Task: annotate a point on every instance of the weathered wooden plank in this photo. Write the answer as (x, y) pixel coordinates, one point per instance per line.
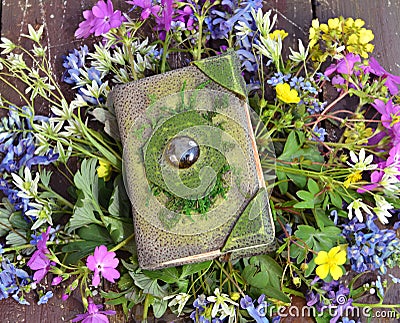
(381, 16)
(294, 16)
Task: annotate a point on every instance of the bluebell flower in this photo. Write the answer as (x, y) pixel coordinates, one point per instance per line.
(12, 281)
(297, 82)
(347, 320)
(370, 248)
(334, 214)
(320, 133)
(45, 298)
(248, 304)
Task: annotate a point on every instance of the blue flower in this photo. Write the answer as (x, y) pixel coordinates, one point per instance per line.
(320, 133)
(248, 304)
(45, 298)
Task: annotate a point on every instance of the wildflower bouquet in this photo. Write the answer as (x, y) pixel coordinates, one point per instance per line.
(335, 200)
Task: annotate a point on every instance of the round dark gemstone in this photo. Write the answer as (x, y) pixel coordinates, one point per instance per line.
(182, 152)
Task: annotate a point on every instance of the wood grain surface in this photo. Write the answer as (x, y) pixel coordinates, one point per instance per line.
(61, 18)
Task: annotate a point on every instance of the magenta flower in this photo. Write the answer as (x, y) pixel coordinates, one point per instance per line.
(390, 113)
(392, 81)
(39, 261)
(147, 6)
(103, 262)
(164, 21)
(344, 65)
(186, 16)
(94, 315)
(85, 27)
(99, 20)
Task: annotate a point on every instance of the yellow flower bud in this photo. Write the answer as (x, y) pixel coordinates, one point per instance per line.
(104, 170)
(235, 296)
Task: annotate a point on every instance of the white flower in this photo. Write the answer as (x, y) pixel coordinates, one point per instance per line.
(381, 209)
(7, 45)
(41, 212)
(33, 34)
(243, 29)
(181, 299)
(263, 22)
(390, 182)
(357, 205)
(27, 186)
(299, 56)
(220, 300)
(361, 162)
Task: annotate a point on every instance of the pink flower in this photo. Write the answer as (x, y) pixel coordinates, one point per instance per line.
(147, 6)
(99, 20)
(103, 262)
(93, 314)
(56, 281)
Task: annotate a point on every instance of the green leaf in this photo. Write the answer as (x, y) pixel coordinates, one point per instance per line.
(148, 285)
(125, 282)
(335, 199)
(119, 202)
(83, 215)
(94, 232)
(18, 221)
(13, 239)
(310, 268)
(322, 219)
(284, 185)
(86, 178)
(159, 307)
(273, 293)
(268, 264)
(319, 240)
(167, 275)
(119, 228)
(293, 143)
(305, 205)
(191, 269)
(313, 186)
(298, 180)
(304, 195)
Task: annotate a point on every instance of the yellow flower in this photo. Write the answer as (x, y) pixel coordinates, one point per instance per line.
(366, 35)
(275, 35)
(104, 170)
(329, 262)
(335, 23)
(352, 178)
(287, 95)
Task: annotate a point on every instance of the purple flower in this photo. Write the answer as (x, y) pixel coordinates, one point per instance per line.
(56, 281)
(392, 81)
(186, 16)
(164, 21)
(104, 262)
(99, 20)
(147, 6)
(39, 261)
(94, 315)
(344, 65)
(390, 113)
(85, 27)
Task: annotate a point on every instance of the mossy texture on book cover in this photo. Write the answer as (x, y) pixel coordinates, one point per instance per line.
(195, 107)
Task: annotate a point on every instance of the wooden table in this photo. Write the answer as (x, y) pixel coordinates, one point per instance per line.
(61, 18)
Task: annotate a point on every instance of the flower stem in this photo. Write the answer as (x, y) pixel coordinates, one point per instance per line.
(146, 306)
(123, 243)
